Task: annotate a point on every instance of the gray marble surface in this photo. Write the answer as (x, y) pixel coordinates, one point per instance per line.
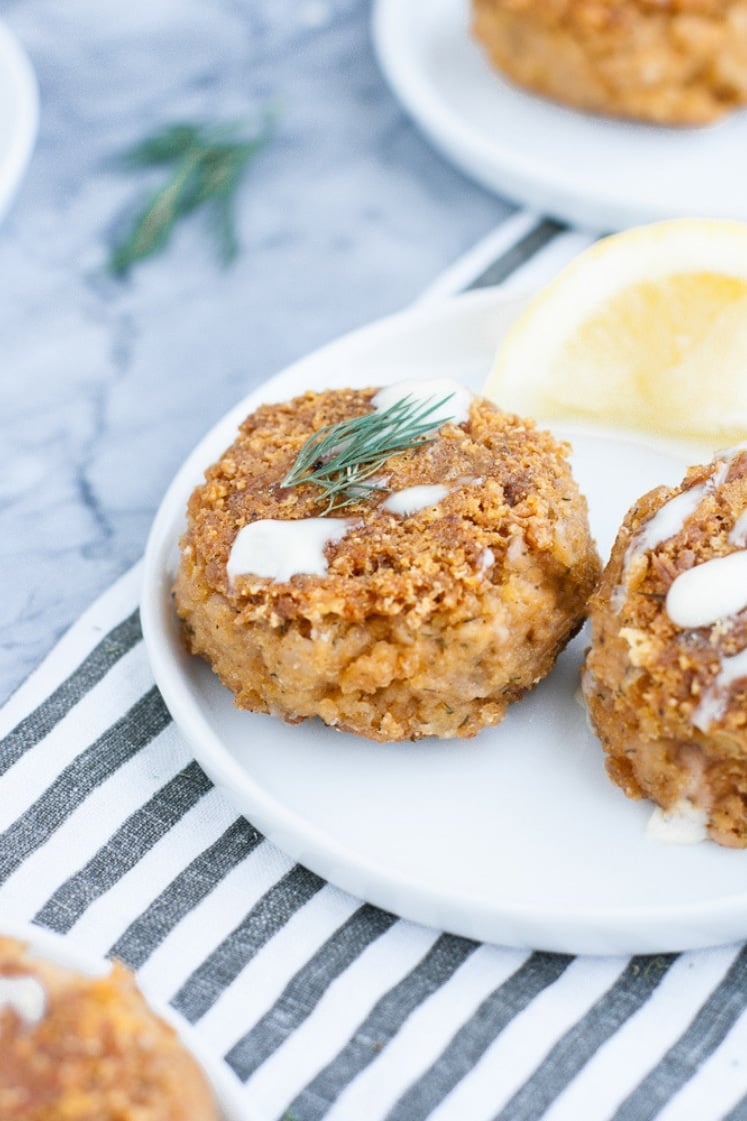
(107, 385)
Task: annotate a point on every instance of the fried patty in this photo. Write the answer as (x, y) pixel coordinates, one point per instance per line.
(674, 729)
(681, 62)
(425, 624)
(77, 1048)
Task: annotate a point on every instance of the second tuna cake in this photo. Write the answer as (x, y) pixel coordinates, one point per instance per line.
(666, 674)
(421, 609)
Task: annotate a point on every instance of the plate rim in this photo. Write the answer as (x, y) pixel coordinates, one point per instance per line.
(578, 930)
(15, 159)
(495, 167)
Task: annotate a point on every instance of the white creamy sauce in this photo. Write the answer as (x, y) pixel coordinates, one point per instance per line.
(486, 560)
(670, 518)
(738, 533)
(432, 390)
(667, 521)
(25, 996)
(714, 700)
(279, 549)
(412, 499)
(683, 824)
(713, 590)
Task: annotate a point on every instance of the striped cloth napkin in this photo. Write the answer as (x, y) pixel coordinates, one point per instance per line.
(322, 1005)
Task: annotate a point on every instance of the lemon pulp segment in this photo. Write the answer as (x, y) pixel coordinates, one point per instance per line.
(668, 355)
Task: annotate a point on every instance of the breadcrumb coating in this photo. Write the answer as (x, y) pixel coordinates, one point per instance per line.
(428, 624)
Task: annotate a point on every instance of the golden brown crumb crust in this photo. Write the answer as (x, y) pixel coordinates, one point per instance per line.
(645, 677)
(669, 61)
(98, 1053)
(424, 625)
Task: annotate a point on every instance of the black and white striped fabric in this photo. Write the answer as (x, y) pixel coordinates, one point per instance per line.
(323, 1006)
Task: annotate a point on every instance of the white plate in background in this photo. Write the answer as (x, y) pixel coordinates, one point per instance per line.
(516, 836)
(19, 115)
(63, 951)
(588, 170)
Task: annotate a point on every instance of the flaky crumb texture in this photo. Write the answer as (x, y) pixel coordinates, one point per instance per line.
(425, 625)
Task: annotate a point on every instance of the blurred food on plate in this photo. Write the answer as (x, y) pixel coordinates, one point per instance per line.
(88, 1048)
(673, 62)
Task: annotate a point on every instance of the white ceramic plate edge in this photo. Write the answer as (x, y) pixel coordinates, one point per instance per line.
(17, 70)
(648, 929)
(488, 164)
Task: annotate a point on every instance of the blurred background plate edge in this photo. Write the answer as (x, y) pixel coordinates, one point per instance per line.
(19, 115)
(590, 171)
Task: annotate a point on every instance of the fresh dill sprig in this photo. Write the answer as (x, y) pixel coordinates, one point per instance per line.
(340, 457)
(207, 163)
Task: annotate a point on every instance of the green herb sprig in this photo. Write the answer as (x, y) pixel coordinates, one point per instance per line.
(207, 165)
(339, 458)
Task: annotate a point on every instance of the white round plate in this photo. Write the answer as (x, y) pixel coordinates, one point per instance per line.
(64, 952)
(516, 836)
(590, 171)
(19, 115)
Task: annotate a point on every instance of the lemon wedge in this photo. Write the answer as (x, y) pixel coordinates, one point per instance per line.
(645, 330)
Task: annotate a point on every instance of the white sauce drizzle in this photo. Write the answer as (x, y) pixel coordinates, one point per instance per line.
(412, 499)
(667, 521)
(705, 594)
(714, 700)
(670, 518)
(25, 996)
(713, 590)
(738, 533)
(279, 549)
(486, 560)
(682, 824)
(456, 409)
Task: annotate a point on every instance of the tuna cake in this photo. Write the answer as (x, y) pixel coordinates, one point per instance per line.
(79, 1048)
(440, 592)
(678, 62)
(665, 679)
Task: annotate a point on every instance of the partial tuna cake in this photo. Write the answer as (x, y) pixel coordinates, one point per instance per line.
(665, 679)
(679, 62)
(80, 1048)
(423, 608)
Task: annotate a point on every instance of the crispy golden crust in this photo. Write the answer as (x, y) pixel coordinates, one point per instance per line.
(97, 1054)
(670, 61)
(645, 677)
(428, 624)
